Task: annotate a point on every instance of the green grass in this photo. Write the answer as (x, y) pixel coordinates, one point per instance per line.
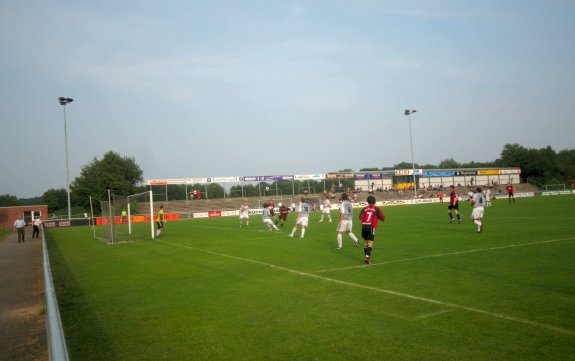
(208, 290)
(4, 233)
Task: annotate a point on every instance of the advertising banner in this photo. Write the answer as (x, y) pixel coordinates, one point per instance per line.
(154, 182)
(466, 172)
(439, 174)
(265, 178)
(408, 171)
(339, 176)
(510, 171)
(309, 176)
(489, 172)
(223, 179)
(368, 176)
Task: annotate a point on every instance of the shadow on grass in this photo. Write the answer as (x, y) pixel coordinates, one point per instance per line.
(85, 338)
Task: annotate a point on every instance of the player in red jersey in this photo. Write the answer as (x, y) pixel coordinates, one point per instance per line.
(369, 217)
(453, 204)
(283, 214)
(510, 192)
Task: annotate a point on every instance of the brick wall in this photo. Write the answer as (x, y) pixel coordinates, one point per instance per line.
(8, 215)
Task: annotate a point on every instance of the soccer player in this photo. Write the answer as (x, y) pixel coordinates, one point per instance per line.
(487, 197)
(369, 217)
(245, 214)
(272, 208)
(160, 221)
(440, 196)
(283, 214)
(345, 221)
(510, 192)
(453, 204)
(478, 201)
(124, 216)
(266, 218)
(302, 218)
(326, 209)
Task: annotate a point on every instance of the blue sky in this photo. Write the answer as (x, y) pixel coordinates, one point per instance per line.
(232, 88)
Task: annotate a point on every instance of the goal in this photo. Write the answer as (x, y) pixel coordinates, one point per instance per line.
(126, 218)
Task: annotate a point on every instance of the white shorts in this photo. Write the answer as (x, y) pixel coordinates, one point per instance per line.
(303, 221)
(326, 210)
(477, 213)
(244, 216)
(268, 221)
(345, 226)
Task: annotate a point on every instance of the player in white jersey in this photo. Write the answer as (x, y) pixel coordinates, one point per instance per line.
(302, 218)
(245, 214)
(345, 221)
(266, 218)
(487, 194)
(478, 201)
(326, 209)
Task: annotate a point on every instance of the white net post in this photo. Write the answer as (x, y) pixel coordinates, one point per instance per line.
(152, 215)
(129, 218)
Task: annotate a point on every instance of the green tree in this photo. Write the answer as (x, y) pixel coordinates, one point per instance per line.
(249, 190)
(55, 199)
(449, 163)
(215, 190)
(8, 200)
(566, 162)
(513, 155)
(119, 174)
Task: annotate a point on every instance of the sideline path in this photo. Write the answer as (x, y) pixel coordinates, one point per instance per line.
(22, 304)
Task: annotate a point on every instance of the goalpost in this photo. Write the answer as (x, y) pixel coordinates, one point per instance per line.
(127, 218)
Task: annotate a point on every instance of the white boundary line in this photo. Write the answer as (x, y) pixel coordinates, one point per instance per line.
(389, 292)
(447, 254)
(433, 314)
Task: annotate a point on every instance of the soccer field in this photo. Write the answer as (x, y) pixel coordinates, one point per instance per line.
(209, 290)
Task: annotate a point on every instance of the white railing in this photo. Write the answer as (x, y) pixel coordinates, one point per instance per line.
(57, 349)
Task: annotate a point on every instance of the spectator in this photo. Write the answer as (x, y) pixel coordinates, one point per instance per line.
(20, 228)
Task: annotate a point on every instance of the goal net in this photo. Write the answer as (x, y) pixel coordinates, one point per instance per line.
(554, 187)
(126, 218)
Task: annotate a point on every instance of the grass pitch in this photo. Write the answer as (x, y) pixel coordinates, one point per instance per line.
(208, 290)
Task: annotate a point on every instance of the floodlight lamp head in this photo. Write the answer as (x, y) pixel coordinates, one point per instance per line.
(64, 101)
(408, 112)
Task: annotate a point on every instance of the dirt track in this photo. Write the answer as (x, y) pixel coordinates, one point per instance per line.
(22, 306)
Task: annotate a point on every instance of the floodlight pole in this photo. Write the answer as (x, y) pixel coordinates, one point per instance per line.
(408, 113)
(63, 101)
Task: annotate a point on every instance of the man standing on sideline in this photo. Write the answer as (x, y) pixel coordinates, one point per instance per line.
(302, 218)
(510, 192)
(326, 209)
(453, 204)
(369, 217)
(36, 228)
(20, 228)
(160, 221)
(478, 201)
(345, 221)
